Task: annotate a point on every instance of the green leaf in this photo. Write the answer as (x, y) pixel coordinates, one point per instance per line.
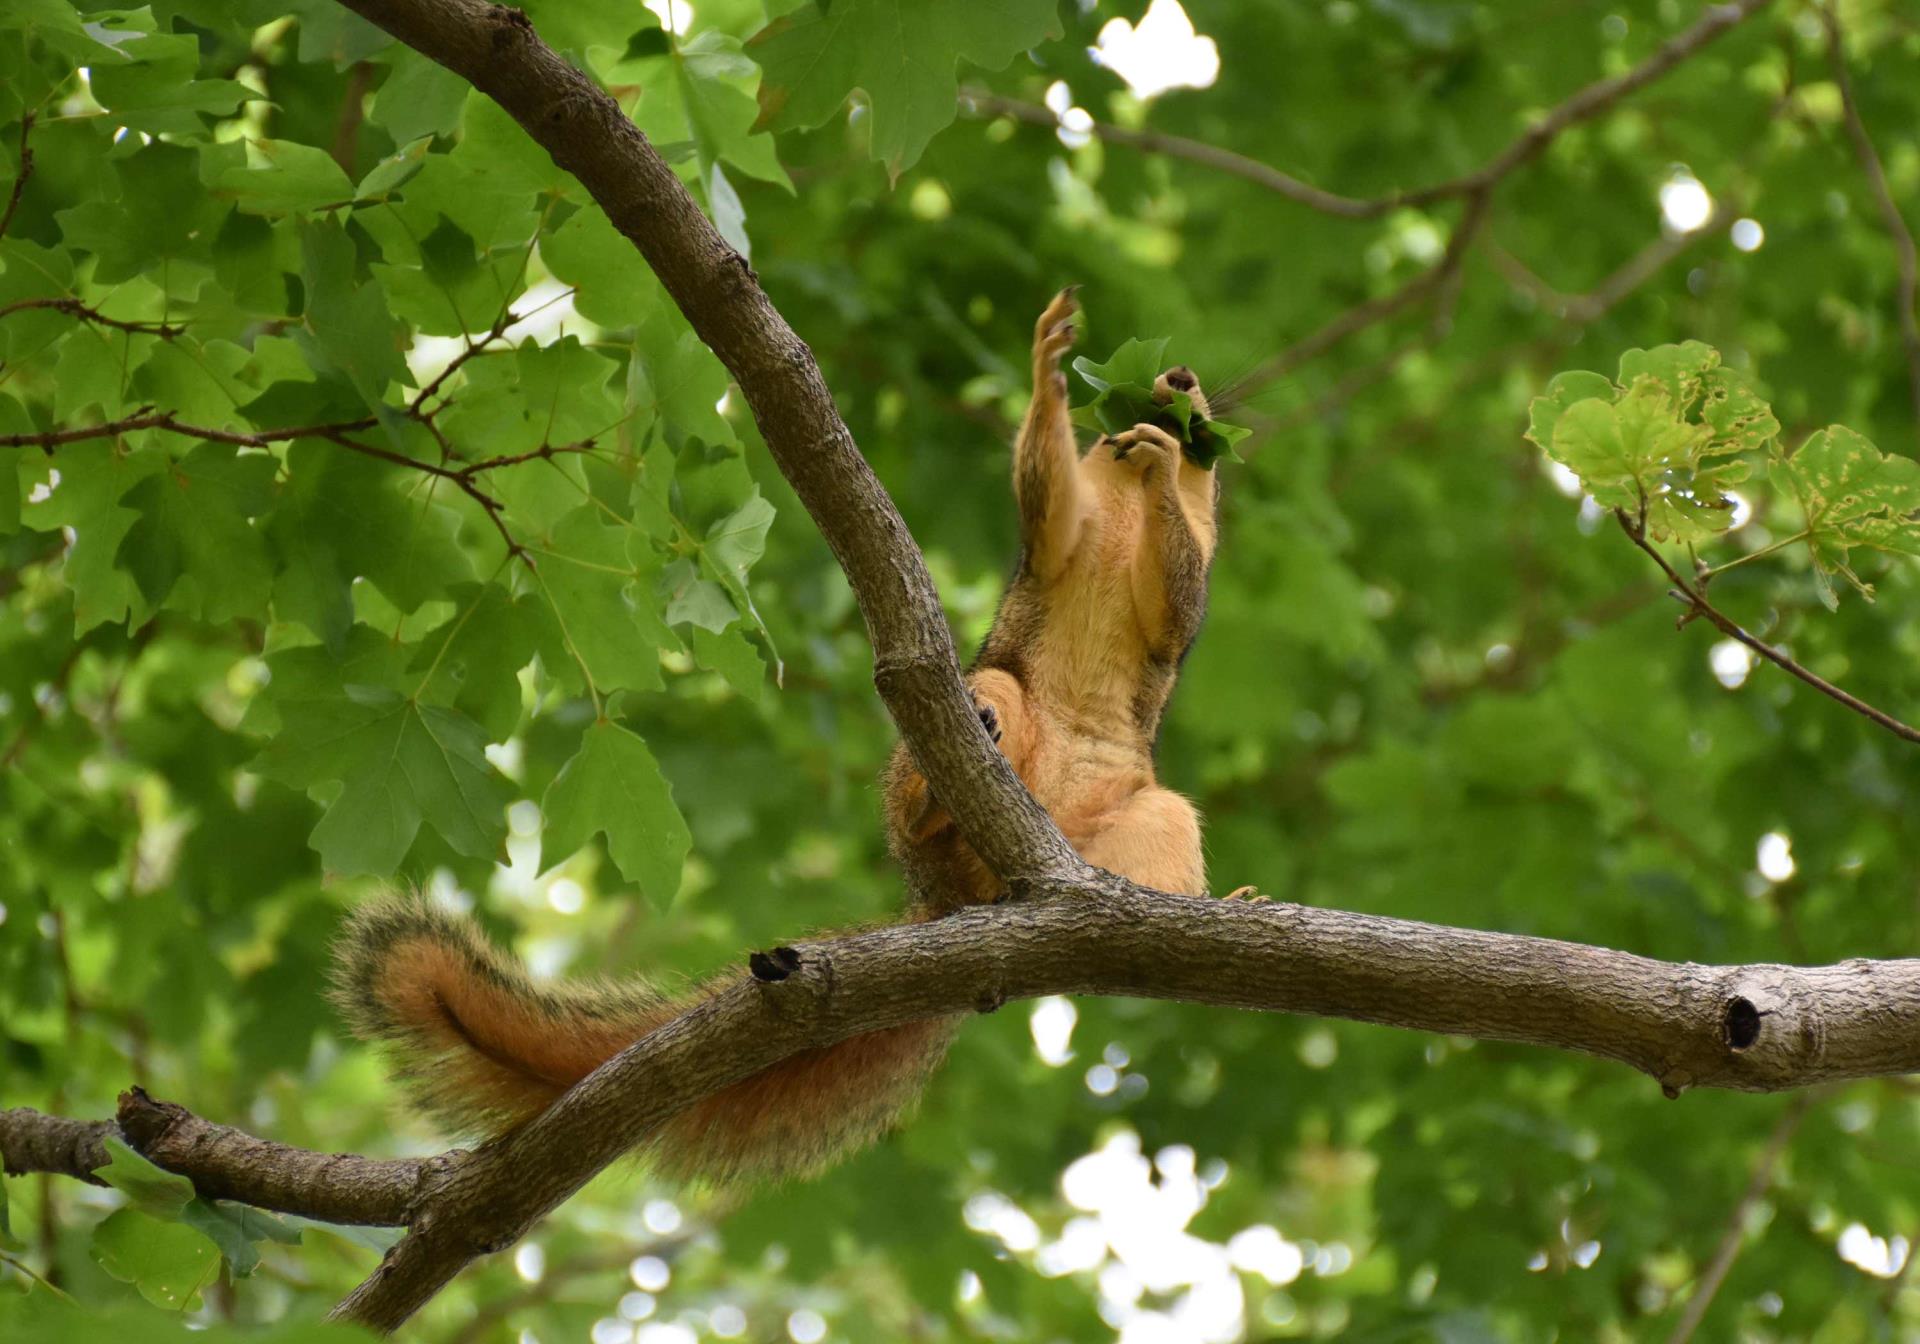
(699, 602)
(616, 286)
(1852, 494)
(156, 90)
(94, 478)
(1679, 369)
(281, 177)
(473, 661)
(902, 53)
(398, 763)
(614, 786)
(348, 323)
(149, 1188)
(193, 528)
(1125, 398)
(601, 605)
(679, 380)
(731, 654)
(735, 542)
(344, 516)
(168, 1262)
(1135, 364)
(420, 98)
(1565, 389)
(237, 1229)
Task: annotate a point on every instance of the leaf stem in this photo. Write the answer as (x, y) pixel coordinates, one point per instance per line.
(1708, 575)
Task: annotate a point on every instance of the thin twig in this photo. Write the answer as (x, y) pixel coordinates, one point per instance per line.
(1758, 1184)
(1622, 281)
(164, 330)
(1583, 105)
(148, 418)
(1435, 279)
(980, 103)
(20, 177)
(1697, 605)
(339, 432)
(1896, 223)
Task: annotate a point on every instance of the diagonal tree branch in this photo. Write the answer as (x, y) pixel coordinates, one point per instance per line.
(1583, 105)
(493, 1198)
(1476, 188)
(915, 667)
(1754, 1027)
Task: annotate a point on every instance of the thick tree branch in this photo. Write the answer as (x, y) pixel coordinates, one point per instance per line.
(490, 1200)
(1583, 105)
(1754, 1028)
(1695, 600)
(1903, 246)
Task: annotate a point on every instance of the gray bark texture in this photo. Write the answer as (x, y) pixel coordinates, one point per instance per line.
(1070, 929)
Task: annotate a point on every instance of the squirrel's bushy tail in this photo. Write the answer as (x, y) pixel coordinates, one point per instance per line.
(484, 1048)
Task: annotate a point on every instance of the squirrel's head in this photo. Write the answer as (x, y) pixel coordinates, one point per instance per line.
(1180, 378)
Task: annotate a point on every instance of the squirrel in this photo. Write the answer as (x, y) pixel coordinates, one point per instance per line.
(1071, 683)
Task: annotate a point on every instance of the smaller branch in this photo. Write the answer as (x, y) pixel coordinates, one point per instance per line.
(224, 1163)
(1896, 223)
(148, 418)
(31, 1141)
(1635, 271)
(339, 433)
(1697, 605)
(545, 450)
(980, 103)
(1583, 105)
(492, 334)
(1435, 279)
(1730, 1241)
(20, 177)
(346, 131)
(165, 331)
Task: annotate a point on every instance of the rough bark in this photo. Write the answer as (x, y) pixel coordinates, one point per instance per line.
(1752, 1027)
(915, 667)
(222, 1162)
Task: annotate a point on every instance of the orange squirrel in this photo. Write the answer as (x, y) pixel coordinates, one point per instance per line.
(1071, 682)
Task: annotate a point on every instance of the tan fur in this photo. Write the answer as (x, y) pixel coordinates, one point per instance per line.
(1077, 671)
(1086, 645)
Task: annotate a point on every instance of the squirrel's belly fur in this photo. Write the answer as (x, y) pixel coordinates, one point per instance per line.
(1072, 681)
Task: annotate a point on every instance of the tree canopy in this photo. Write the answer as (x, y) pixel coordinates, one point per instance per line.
(372, 514)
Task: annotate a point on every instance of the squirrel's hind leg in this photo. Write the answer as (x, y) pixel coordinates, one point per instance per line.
(1152, 839)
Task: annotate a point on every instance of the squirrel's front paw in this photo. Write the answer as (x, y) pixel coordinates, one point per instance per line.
(1145, 446)
(989, 719)
(1054, 334)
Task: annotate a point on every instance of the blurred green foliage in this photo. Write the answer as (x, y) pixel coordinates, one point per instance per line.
(241, 686)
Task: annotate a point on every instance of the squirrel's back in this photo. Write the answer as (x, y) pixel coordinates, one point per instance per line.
(484, 1048)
